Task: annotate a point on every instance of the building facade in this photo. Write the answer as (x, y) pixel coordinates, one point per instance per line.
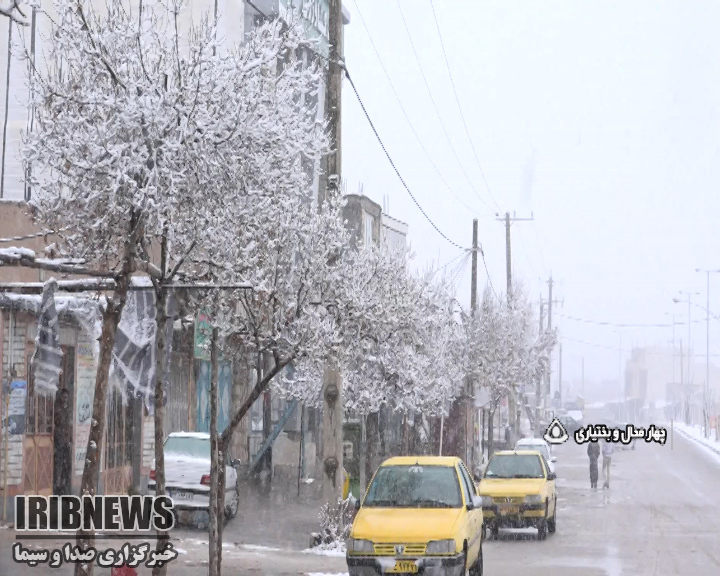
(129, 442)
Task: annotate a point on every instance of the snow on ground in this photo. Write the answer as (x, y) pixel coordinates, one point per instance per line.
(256, 548)
(323, 574)
(695, 433)
(334, 551)
(595, 405)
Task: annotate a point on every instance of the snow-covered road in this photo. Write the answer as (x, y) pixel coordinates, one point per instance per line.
(661, 517)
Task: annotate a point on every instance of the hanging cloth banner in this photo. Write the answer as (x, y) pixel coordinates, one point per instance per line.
(47, 359)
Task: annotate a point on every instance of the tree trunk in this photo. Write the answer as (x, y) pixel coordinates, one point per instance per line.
(406, 435)
(491, 431)
(213, 568)
(111, 319)
(159, 418)
(266, 462)
(372, 433)
(222, 458)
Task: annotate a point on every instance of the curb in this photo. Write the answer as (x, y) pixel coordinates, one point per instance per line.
(686, 435)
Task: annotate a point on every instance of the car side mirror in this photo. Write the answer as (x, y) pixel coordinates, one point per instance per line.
(475, 503)
(553, 459)
(551, 476)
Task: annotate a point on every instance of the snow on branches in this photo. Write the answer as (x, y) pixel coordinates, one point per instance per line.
(187, 134)
(11, 9)
(503, 348)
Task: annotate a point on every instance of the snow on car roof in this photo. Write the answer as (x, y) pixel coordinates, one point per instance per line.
(201, 435)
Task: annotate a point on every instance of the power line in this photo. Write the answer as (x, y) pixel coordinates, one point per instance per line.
(444, 266)
(614, 325)
(487, 272)
(457, 100)
(645, 349)
(539, 245)
(367, 116)
(459, 271)
(407, 117)
(437, 111)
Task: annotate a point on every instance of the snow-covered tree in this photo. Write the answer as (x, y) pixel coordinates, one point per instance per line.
(503, 348)
(11, 9)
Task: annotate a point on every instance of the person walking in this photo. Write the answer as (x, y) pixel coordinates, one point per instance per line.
(593, 453)
(607, 452)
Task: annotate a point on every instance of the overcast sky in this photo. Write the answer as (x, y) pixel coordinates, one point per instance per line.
(598, 117)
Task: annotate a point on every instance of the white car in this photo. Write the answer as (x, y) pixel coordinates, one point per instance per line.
(187, 475)
(539, 445)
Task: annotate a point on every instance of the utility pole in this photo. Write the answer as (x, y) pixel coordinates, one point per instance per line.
(538, 384)
(473, 287)
(508, 220)
(513, 419)
(706, 396)
(470, 411)
(560, 375)
(550, 303)
(332, 436)
(706, 391)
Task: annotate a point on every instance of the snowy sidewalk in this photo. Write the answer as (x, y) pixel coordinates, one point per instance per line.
(695, 433)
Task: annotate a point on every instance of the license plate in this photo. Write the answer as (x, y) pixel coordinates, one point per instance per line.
(404, 567)
(181, 495)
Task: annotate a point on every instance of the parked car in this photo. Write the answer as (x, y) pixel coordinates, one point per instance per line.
(518, 491)
(187, 475)
(420, 514)
(570, 424)
(541, 446)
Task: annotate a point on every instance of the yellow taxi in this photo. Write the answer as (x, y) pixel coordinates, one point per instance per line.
(518, 491)
(419, 515)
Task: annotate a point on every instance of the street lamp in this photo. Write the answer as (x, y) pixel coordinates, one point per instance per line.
(706, 393)
(689, 303)
(623, 392)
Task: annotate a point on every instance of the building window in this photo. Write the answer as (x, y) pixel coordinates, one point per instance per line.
(368, 230)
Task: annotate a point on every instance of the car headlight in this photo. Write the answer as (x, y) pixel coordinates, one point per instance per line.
(357, 545)
(533, 499)
(487, 501)
(440, 547)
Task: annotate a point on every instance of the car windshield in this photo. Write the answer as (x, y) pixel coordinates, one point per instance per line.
(537, 447)
(187, 447)
(515, 466)
(414, 487)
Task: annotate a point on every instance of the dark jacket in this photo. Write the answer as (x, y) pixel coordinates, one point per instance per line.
(593, 450)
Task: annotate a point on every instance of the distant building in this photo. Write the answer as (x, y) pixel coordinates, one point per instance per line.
(657, 379)
(393, 232)
(369, 226)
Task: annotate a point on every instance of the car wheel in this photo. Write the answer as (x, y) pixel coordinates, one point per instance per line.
(477, 568)
(542, 526)
(552, 522)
